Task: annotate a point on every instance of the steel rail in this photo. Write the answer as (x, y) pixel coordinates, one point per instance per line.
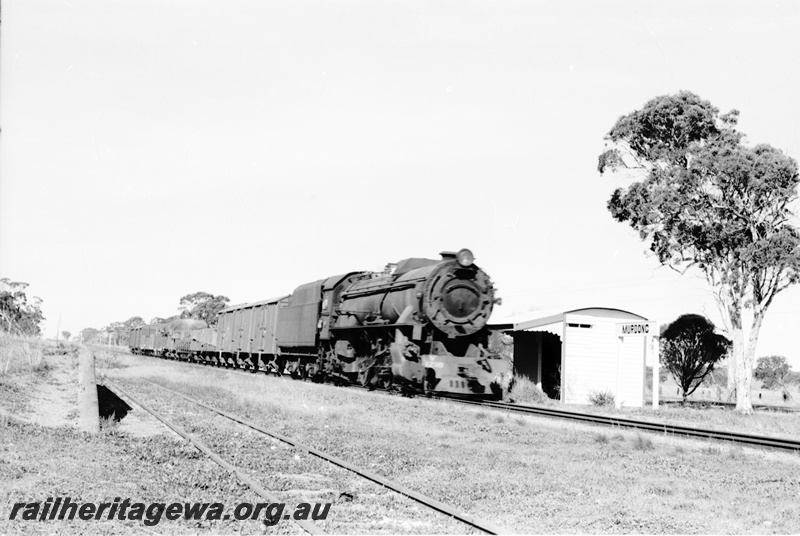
(399, 488)
(309, 527)
(675, 429)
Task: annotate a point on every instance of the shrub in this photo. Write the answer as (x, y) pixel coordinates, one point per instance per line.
(601, 398)
(524, 391)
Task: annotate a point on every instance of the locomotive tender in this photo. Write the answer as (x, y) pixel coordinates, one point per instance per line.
(420, 324)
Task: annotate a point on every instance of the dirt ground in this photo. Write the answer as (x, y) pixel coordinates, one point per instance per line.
(53, 399)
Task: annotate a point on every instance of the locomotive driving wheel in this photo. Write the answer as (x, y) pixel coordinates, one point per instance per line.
(430, 381)
(386, 379)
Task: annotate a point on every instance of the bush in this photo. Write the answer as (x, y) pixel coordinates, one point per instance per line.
(601, 398)
(524, 391)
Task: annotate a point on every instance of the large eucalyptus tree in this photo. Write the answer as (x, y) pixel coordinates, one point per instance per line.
(705, 200)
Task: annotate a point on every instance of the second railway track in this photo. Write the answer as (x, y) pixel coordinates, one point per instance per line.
(428, 502)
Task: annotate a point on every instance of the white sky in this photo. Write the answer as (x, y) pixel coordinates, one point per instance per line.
(152, 149)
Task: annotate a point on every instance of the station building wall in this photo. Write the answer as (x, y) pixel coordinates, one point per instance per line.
(575, 354)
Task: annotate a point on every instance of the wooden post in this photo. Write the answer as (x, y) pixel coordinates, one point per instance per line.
(654, 342)
(617, 394)
(88, 407)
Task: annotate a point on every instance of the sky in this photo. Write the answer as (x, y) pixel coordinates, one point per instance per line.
(152, 149)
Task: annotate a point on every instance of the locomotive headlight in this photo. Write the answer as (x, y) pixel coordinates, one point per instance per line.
(465, 258)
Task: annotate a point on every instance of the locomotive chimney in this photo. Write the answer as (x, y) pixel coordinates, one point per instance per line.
(464, 257)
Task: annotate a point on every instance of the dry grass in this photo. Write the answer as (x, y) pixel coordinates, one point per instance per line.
(23, 367)
(21, 354)
(529, 474)
(109, 359)
(526, 473)
(642, 442)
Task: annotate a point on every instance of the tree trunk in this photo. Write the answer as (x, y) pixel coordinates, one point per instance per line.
(744, 367)
(737, 338)
(88, 407)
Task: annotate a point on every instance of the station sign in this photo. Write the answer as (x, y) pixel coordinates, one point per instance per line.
(637, 329)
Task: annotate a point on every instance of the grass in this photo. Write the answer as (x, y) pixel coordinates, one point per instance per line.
(736, 452)
(641, 442)
(525, 473)
(23, 366)
(21, 354)
(61, 348)
(109, 425)
(109, 359)
(544, 476)
(44, 462)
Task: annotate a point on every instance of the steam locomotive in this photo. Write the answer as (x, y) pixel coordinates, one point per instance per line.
(420, 325)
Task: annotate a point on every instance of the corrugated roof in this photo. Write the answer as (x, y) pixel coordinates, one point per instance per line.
(536, 319)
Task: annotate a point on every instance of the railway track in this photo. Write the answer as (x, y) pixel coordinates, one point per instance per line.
(426, 501)
(307, 526)
(727, 405)
(664, 428)
(621, 422)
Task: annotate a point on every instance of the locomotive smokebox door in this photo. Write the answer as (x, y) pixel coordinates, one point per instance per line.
(458, 300)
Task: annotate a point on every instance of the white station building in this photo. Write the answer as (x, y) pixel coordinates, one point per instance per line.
(574, 354)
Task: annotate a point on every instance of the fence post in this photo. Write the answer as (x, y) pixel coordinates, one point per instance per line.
(88, 407)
